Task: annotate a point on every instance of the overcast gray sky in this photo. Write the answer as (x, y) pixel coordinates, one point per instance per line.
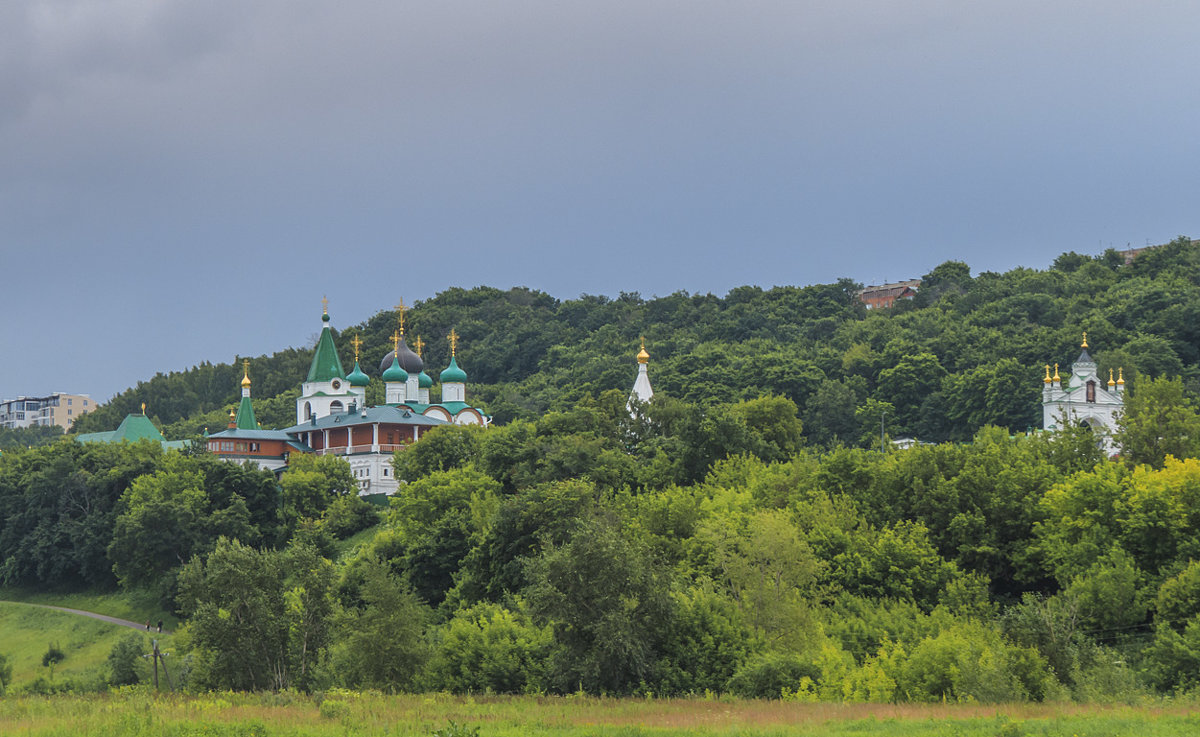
(182, 181)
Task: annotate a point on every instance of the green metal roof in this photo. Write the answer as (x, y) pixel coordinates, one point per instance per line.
(453, 374)
(136, 427)
(132, 429)
(235, 433)
(357, 377)
(395, 373)
(245, 415)
(402, 414)
(326, 366)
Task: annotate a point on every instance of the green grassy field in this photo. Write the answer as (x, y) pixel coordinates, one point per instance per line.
(351, 544)
(137, 712)
(26, 632)
(137, 606)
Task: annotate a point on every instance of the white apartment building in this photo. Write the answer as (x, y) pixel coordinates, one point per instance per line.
(59, 409)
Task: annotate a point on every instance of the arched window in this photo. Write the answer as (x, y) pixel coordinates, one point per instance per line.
(308, 410)
(1091, 391)
(336, 406)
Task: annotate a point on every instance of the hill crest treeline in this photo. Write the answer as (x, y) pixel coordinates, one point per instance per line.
(966, 352)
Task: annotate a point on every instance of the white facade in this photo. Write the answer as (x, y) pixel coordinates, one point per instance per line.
(395, 392)
(374, 473)
(641, 385)
(321, 398)
(453, 391)
(1086, 399)
(59, 409)
(642, 391)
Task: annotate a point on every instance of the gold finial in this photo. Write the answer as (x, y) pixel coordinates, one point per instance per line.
(642, 355)
(245, 372)
(1085, 345)
(1111, 383)
(356, 342)
(1121, 376)
(453, 336)
(419, 345)
(232, 414)
(396, 343)
(1047, 380)
(1057, 380)
(401, 309)
(143, 409)
(324, 304)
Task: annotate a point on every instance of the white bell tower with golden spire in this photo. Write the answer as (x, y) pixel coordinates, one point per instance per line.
(642, 391)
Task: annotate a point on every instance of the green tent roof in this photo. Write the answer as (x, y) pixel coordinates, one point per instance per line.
(133, 428)
(245, 415)
(326, 365)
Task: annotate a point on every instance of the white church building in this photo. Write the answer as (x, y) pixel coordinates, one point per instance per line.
(1085, 399)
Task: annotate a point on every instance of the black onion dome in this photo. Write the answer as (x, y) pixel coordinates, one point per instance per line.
(409, 361)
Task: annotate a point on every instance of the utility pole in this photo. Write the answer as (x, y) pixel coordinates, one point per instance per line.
(156, 655)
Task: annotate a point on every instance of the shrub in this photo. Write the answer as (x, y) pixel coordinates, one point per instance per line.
(453, 729)
(53, 656)
(126, 666)
(971, 662)
(334, 709)
(488, 648)
(349, 514)
(767, 676)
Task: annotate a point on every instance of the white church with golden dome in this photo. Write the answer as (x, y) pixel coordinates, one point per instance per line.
(1085, 400)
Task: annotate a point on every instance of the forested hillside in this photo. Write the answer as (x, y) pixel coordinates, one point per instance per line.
(966, 352)
(742, 533)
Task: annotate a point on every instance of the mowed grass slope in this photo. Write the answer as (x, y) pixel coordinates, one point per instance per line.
(26, 633)
(340, 714)
(136, 606)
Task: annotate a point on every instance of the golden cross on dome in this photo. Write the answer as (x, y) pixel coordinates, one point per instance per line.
(356, 342)
(453, 342)
(143, 409)
(396, 344)
(420, 344)
(1085, 345)
(325, 304)
(401, 309)
(246, 366)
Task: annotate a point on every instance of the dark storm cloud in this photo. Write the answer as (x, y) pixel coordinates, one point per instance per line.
(180, 164)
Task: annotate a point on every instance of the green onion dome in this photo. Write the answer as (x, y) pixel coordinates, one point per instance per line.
(424, 380)
(454, 374)
(394, 372)
(357, 377)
